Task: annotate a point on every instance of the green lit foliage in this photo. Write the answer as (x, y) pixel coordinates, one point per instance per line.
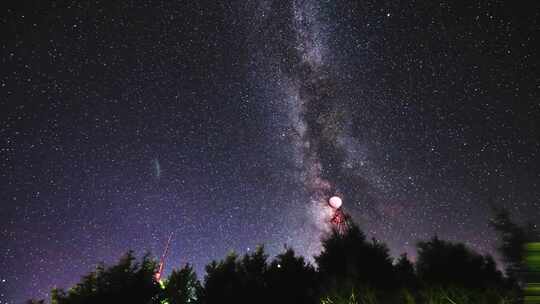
(364, 296)
(182, 286)
(407, 297)
(337, 299)
(532, 260)
(460, 295)
(532, 257)
(126, 282)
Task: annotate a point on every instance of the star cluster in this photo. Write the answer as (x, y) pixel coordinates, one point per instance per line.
(230, 124)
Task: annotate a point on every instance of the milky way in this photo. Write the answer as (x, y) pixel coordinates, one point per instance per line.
(231, 123)
(319, 120)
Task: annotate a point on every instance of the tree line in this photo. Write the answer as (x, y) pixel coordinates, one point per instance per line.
(350, 269)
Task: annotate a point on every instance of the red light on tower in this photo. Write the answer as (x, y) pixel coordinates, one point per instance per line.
(338, 219)
(159, 272)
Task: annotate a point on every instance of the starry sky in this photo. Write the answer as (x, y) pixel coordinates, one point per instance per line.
(231, 123)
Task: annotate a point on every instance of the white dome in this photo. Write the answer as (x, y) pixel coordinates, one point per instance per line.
(335, 202)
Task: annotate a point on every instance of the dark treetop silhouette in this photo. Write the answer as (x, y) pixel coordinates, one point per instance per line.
(349, 269)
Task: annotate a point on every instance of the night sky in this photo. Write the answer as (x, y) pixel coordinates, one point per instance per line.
(230, 124)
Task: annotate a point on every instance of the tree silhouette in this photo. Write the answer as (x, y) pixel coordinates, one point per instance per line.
(444, 263)
(512, 241)
(350, 270)
(405, 273)
(350, 263)
(182, 286)
(126, 282)
(291, 280)
(252, 271)
(237, 281)
(222, 283)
